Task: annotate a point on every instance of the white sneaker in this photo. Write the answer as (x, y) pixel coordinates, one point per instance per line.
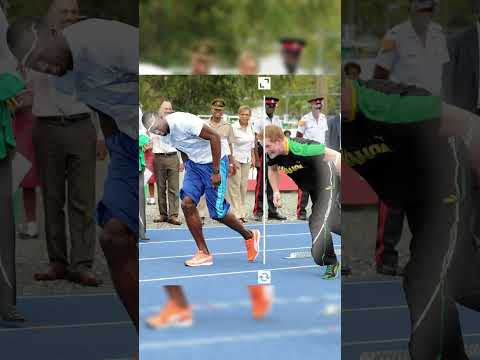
(151, 201)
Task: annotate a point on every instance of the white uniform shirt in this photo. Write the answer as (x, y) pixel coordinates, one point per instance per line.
(313, 129)
(244, 143)
(105, 73)
(264, 120)
(184, 134)
(403, 54)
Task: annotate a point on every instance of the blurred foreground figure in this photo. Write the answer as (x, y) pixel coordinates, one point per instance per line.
(104, 75)
(178, 312)
(418, 153)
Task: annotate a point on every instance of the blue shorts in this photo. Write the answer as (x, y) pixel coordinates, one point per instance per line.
(197, 182)
(120, 193)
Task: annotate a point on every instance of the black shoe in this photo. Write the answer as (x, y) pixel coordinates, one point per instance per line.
(390, 270)
(276, 216)
(258, 218)
(12, 315)
(302, 217)
(346, 270)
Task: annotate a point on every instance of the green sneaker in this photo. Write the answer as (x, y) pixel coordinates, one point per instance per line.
(331, 272)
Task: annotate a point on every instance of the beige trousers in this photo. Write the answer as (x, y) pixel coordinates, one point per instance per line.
(237, 190)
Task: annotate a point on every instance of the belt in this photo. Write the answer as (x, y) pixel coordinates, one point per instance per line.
(166, 154)
(63, 119)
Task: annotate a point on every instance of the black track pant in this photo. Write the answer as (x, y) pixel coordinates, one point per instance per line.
(443, 269)
(325, 218)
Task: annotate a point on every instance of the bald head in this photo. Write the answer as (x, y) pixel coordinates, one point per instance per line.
(63, 13)
(37, 46)
(165, 108)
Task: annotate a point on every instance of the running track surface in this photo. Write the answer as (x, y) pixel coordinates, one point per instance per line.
(305, 319)
(375, 322)
(70, 327)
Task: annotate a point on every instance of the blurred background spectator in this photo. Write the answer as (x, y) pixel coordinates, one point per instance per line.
(233, 28)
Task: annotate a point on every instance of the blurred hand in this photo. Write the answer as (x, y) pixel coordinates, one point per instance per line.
(181, 167)
(147, 146)
(216, 180)
(101, 150)
(232, 170)
(24, 99)
(277, 199)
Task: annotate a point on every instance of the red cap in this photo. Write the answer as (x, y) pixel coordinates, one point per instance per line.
(271, 101)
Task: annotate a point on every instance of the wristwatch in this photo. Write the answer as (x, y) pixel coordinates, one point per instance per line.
(215, 171)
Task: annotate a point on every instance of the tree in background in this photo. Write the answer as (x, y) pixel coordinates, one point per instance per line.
(169, 28)
(194, 93)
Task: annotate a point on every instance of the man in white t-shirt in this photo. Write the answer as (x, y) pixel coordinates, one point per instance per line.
(312, 126)
(103, 74)
(206, 164)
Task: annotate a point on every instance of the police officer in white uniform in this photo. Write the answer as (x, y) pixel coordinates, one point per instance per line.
(268, 117)
(312, 126)
(414, 53)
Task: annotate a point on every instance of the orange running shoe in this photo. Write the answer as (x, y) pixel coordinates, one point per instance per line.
(253, 246)
(171, 315)
(200, 259)
(262, 299)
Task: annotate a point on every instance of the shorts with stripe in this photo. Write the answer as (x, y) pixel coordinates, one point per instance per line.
(197, 182)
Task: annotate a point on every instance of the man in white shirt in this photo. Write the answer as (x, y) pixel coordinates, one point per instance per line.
(413, 53)
(65, 140)
(312, 126)
(167, 169)
(103, 74)
(205, 158)
(265, 119)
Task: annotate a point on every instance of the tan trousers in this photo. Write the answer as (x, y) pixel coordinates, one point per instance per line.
(237, 191)
(168, 176)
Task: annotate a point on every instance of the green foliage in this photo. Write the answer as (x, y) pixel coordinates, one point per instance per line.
(170, 28)
(194, 93)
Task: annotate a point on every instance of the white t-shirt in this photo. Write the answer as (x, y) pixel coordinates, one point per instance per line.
(244, 143)
(184, 134)
(105, 72)
(313, 129)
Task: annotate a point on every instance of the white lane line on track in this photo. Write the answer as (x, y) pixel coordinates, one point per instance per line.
(260, 336)
(372, 282)
(376, 308)
(223, 226)
(225, 253)
(216, 239)
(69, 326)
(61, 296)
(226, 273)
(388, 341)
(325, 300)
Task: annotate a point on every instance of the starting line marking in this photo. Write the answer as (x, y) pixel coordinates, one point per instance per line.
(226, 274)
(216, 239)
